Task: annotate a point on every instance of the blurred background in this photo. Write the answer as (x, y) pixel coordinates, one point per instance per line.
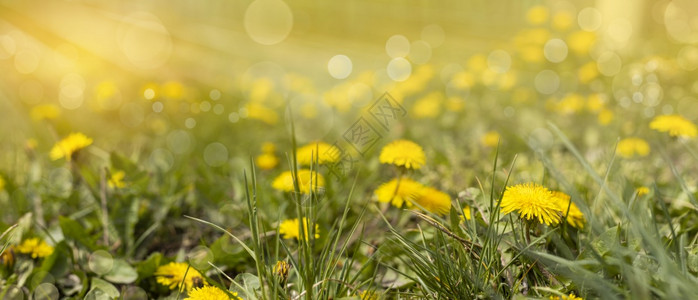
(129, 70)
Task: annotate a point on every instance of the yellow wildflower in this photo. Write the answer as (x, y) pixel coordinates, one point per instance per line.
(284, 182)
(289, 229)
(211, 293)
(531, 201)
(281, 270)
(562, 21)
(403, 153)
(490, 139)
(675, 125)
(45, 112)
(172, 275)
(36, 247)
(398, 195)
(605, 116)
(116, 180)
(570, 297)
(575, 217)
(266, 161)
(537, 15)
(434, 200)
(630, 147)
(69, 146)
(428, 107)
(320, 151)
(368, 295)
(2, 183)
(262, 113)
(643, 190)
(467, 214)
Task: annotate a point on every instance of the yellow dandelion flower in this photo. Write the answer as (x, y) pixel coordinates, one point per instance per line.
(575, 217)
(562, 21)
(581, 41)
(570, 297)
(69, 146)
(35, 247)
(428, 107)
(587, 72)
(531, 201)
(595, 103)
(281, 269)
(260, 112)
(2, 183)
(675, 125)
(643, 190)
(171, 275)
(434, 200)
(173, 90)
(466, 214)
(455, 104)
(266, 161)
(537, 15)
(605, 116)
(368, 295)
(268, 147)
(631, 147)
(398, 194)
(289, 229)
(490, 139)
(211, 293)
(403, 153)
(45, 112)
(320, 151)
(116, 180)
(284, 182)
(7, 258)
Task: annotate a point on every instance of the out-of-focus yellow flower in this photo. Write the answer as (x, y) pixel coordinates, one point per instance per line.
(562, 21)
(605, 116)
(2, 184)
(107, 96)
(643, 190)
(537, 15)
(675, 125)
(31, 144)
(268, 147)
(284, 182)
(210, 293)
(428, 106)
(405, 193)
(595, 103)
(507, 80)
(529, 43)
(570, 104)
(320, 151)
(173, 90)
(171, 275)
(455, 104)
(631, 147)
(575, 216)
(490, 139)
(587, 72)
(477, 63)
(434, 200)
(266, 161)
(467, 214)
(45, 112)
(403, 153)
(290, 229)
(580, 42)
(531, 201)
(463, 80)
(368, 295)
(260, 112)
(7, 258)
(260, 90)
(116, 180)
(69, 146)
(35, 247)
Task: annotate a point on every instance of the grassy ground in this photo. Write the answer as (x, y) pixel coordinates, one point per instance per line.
(538, 150)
